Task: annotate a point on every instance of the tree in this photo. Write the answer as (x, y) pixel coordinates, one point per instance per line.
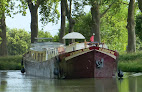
(43, 34)
(63, 19)
(66, 10)
(113, 28)
(97, 14)
(48, 12)
(131, 28)
(83, 25)
(3, 47)
(18, 41)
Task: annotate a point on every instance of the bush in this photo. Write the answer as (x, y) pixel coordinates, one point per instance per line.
(10, 63)
(130, 62)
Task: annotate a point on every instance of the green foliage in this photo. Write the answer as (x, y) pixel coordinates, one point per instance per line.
(0, 37)
(113, 29)
(21, 7)
(138, 44)
(83, 26)
(56, 38)
(42, 34)
(18, 41)
(138, 27)
(3, 3)
(48, 11)
(10, 63)
(130, 62)
(7, 7)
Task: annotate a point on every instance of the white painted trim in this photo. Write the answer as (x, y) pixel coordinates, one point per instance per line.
(72, 56)
(113, 56)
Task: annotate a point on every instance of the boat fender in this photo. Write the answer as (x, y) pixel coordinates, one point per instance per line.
(22, 66)
(57, 58)
(22, 69)
(56, 71)
(120, 74)
(99, 63)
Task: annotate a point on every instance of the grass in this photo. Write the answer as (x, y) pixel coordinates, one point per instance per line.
(10, 62)
(130, 62)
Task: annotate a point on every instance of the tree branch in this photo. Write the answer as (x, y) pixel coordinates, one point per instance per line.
(67, 9)
(38, 3)
(30, 4)
(106, 10)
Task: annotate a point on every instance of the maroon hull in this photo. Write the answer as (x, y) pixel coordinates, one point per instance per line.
(109, 67)
(88, 64)
(82, 66)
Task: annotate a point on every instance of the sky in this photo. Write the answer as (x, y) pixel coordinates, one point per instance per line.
(23, 22)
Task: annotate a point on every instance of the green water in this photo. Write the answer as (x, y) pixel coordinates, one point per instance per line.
(14, 81)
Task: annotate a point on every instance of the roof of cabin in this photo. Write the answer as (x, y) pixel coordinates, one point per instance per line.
(45, 45)
(74, 35)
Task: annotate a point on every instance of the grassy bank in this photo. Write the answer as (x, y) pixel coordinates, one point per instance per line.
(130, 62)
(10, 63)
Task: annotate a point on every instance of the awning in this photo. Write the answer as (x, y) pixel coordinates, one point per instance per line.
(74, 35)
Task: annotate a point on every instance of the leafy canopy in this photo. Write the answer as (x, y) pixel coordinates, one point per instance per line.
(18, 41)
(48, 9)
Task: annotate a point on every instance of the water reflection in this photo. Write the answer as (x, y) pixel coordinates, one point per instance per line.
(14, 81)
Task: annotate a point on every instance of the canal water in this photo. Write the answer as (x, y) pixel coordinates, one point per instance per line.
(14, 81)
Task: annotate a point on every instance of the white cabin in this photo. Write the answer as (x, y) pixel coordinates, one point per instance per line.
(46, 50)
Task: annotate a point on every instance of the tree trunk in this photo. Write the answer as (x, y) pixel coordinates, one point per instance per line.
(68, 14)
(3, 45)
(96, 22)
(63, 19)
(34, 19)
(140, 4)
(131, 28)
(71, 21)
(34, 24)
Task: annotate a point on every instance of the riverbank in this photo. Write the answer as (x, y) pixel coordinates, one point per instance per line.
(127, 62)
(130, 62)
(10, 62)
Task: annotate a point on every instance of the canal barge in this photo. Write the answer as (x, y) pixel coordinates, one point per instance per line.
(77, 60)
